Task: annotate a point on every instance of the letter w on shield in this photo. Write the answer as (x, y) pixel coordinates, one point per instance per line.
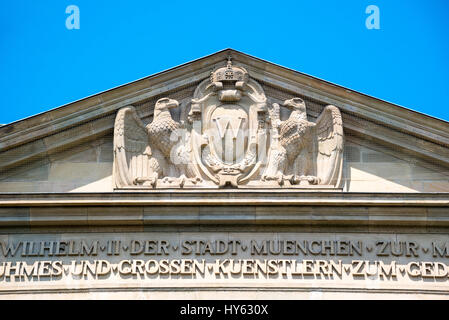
(228, 131)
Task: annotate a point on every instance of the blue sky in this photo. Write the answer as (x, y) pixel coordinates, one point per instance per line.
(44, 65)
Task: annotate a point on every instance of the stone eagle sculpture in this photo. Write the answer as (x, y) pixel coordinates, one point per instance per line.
(145, 154)
(305, 152)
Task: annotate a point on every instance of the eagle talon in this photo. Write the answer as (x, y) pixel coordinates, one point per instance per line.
(278, 177)
(295, 179)
(168, 180)
(311, 179)
(146, 181)
(196, 180)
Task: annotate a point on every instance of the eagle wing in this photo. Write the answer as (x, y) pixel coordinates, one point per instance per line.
(132, 152)
(329, 138)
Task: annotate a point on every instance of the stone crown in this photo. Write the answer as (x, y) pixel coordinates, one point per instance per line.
(229, 73)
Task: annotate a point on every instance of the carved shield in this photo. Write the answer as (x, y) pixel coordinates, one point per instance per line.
(225, 126)
(228, 133)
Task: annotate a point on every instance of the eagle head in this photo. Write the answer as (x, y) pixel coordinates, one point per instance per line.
(165, 104)
(295, 104)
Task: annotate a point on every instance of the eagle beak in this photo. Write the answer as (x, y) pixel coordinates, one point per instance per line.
(173, 104)
(287, 104)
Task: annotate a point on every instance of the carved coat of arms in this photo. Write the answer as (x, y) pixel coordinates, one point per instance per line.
(230, 137)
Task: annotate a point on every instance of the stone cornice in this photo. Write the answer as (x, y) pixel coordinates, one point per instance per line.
(242, 209)
(231, 197)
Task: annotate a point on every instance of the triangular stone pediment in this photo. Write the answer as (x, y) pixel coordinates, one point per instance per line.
(387, 148)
